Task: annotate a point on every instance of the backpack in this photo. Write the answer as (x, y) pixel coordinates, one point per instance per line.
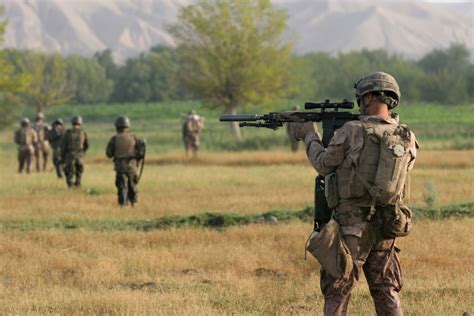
(23, 137)
(395, 146)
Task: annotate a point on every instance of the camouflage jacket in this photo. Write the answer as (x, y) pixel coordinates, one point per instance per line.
(75, 143)
(122, 148)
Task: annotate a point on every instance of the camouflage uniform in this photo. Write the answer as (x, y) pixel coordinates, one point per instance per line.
(75, 144)
(123, 149)
(25, 138)
(371, 252)
(55, 137)
(294, 143)
(191, 129)
(42, 145)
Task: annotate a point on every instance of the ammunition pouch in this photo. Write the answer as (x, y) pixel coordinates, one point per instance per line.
(329, 248)
(396, 220)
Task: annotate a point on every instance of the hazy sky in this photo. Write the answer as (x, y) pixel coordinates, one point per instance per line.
(464, 1)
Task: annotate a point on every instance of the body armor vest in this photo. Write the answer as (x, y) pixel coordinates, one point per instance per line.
(125, 146)
(76, 140)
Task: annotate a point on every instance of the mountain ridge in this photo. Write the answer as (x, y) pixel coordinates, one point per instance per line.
(129, 27)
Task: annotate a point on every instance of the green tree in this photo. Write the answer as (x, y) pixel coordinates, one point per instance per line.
(10, 83)
(233, 53)
(87, 80)
(149, 77)
(47, 78)
(447, 75)
(106, 60)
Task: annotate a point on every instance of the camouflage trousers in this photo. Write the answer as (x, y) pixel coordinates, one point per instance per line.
(378, 259)
(25, 155)
(74, 166)
(126, 181)
(57, 161)
(41, 155)
(191, 144)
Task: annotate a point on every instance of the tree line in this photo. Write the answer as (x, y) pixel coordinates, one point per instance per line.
(441, 76)
(228, 54)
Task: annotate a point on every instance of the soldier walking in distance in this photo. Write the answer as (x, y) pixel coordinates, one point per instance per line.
(294, 144)
(192, 126)
(42, 145)
(55, 137)
(74, 146)
(126, 150)
(359, 156)
(25, 138)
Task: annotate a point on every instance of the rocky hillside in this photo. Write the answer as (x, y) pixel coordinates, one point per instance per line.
(129, 27)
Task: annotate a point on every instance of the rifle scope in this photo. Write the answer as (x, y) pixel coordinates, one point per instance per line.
(329, 105)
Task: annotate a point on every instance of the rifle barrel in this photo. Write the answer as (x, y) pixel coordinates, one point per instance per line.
(240, 117)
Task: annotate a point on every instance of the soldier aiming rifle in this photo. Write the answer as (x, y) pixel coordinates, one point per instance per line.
(360, 202)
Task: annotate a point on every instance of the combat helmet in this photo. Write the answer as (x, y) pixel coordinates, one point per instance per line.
(58, 121)
(76, 120)
(122, 121)
(39, 116)
(383, 84)
(25, 122)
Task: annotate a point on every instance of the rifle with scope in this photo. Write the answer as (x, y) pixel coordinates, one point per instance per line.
(331, 121)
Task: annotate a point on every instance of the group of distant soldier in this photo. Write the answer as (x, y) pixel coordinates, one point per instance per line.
(68, 147)
(35, 142)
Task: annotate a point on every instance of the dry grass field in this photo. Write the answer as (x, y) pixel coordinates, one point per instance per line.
(254, 269)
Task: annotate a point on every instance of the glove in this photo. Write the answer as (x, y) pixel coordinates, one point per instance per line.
(300, 130)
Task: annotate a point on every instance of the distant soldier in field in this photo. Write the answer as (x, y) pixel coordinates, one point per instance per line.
(126, 150)
(42, 145)
(55, 137)
(25, 138)
(294, 144)
(192, 126)
(74, 146)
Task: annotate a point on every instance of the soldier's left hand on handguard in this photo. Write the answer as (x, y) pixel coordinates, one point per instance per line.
(300, 130)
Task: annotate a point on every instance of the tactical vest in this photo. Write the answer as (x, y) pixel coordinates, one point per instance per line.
(56, 133)
(125, 146)
(76, 140)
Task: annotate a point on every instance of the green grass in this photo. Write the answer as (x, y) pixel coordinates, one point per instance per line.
(214, 220)
(436, 126)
